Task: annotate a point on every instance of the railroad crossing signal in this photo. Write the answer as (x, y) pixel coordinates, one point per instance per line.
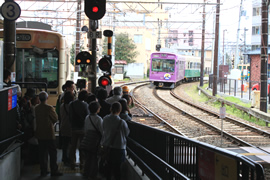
(84, 57)
(105, 64)
(104, 81)
(158, 46)
(95, 9)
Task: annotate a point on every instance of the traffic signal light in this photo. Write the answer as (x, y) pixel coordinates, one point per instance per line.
(158, 46)
(95, 9)
(81, 83)
(84, 57)
(105, 64)
(104, 81)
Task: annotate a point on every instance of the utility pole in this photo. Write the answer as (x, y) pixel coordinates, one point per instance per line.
(224, 62)
(264, 56)
(78, 28)
(202, 48)
(236, 60)
(245, 45)
(92, 77)
(158, 41)
(213, 46)
(214, 92)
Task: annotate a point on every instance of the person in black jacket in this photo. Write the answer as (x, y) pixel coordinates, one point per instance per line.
(78, 110)
(105, 107)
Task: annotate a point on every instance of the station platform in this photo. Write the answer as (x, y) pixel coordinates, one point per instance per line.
(32, 172)
(260, 156)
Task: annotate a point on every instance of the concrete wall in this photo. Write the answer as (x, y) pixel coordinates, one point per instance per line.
(10, 165)
(135, 70)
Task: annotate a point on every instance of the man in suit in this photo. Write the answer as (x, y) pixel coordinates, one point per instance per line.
(46, 117)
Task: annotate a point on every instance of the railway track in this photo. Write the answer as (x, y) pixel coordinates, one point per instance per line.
(179, 121)
(187, 115)
(237, 133)
(144, 115)
(177, 124)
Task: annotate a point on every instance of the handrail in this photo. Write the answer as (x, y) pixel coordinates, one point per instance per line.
(145, 168)
(9, 151)
(15, 138)
(167, 166)
(11, 138)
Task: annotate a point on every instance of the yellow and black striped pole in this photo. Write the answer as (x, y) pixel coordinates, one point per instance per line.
(109, 34)
(109, 46)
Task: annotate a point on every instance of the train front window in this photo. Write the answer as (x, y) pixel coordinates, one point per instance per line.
(163, 65)
(37, 67)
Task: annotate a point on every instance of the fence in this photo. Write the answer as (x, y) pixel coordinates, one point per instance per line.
(234, 87)
(164, 155)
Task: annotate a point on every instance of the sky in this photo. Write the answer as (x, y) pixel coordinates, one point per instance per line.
(229, 16)
(229, 19)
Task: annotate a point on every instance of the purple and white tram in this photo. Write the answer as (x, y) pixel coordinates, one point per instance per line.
(166, 69)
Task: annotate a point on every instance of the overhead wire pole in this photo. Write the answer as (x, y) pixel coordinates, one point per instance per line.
(202, 48)
(92, 77)
(214, 92)
(236, 61)
(78, 27)
(264, 56)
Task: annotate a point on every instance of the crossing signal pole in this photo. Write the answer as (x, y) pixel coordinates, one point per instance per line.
(105, 64)
(264, 56)
(94, 10)
(214, 92)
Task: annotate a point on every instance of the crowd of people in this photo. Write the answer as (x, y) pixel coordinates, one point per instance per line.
(87, 122)
(90, 121)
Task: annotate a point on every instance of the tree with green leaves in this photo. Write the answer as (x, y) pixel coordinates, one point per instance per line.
(125, 48)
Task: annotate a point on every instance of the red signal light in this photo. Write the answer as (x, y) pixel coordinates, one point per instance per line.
(95, 9)
(104, 81)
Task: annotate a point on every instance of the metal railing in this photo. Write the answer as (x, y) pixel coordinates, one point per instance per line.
(164, 155)
(6, 143)
(234, 87)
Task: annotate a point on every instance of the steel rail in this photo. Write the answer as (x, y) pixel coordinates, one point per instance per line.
(214, 128)
(158, 118)
(229, 119)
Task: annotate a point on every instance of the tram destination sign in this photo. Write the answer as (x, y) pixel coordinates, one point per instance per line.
(23, 37)
(95, 34)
